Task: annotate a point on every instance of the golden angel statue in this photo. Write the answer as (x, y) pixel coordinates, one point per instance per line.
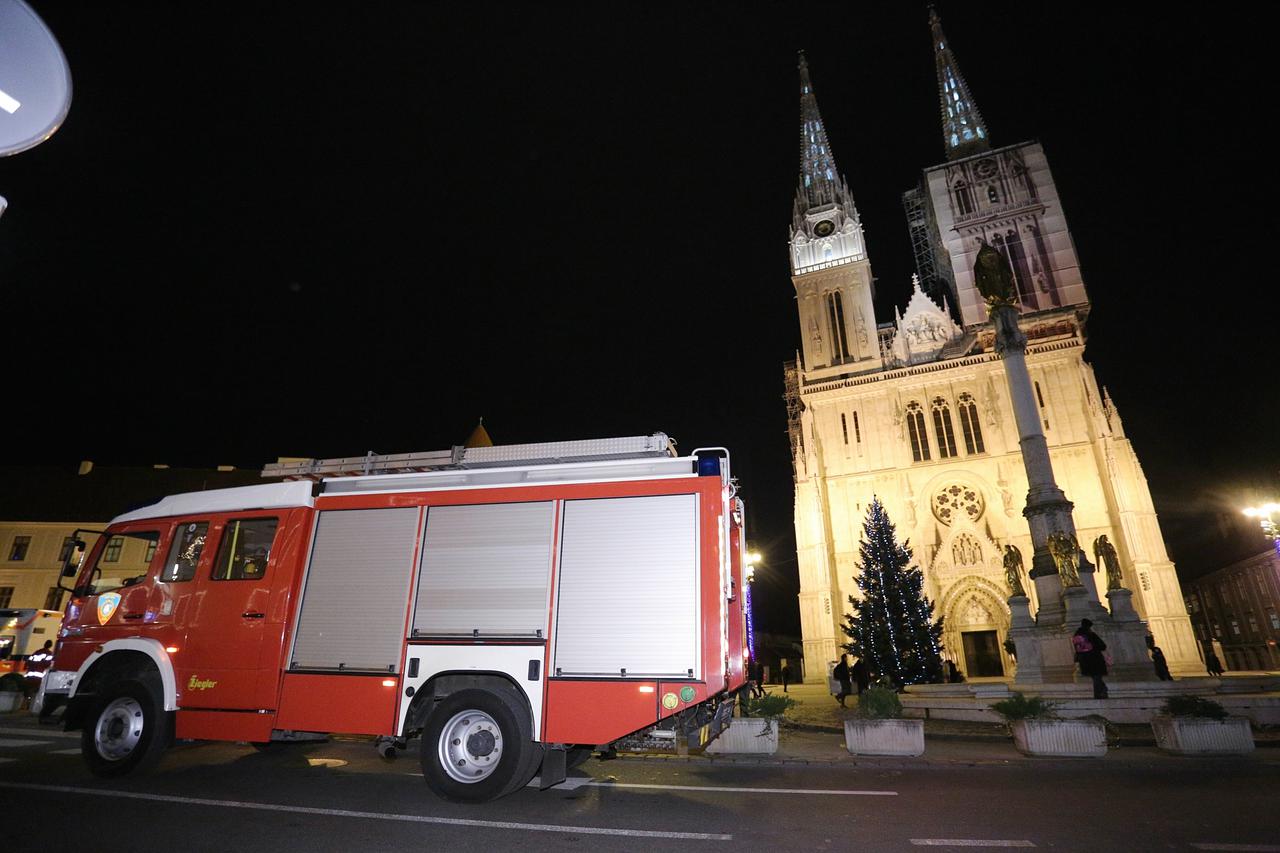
(1063, 548)
(1104, 554)
(1013, 570)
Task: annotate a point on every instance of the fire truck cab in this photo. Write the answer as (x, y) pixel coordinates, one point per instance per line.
(516, 607)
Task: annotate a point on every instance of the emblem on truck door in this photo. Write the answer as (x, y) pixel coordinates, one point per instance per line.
(107, 604)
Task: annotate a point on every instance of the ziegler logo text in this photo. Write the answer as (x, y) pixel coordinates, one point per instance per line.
(201, 684)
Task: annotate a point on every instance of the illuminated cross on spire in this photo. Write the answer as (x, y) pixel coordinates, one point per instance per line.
(963, 131)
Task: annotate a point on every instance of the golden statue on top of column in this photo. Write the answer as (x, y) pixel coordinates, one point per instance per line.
(1064, 550)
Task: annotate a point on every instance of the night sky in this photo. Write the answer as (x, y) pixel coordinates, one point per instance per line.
(319, 230)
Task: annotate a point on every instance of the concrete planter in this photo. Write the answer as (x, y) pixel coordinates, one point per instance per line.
(9, 701)
(747, 735)
(1062, 738)
(1203, 736)
(884, 737)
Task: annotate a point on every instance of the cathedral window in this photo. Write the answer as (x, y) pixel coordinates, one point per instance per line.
(839, 337)
(857, 429)
(915, 427)
(964, 199)
(992, 195)
(942, 429)
(970, 425)
(844, 428)
(1040, 399)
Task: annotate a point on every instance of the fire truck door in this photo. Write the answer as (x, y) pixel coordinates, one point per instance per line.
(218, 666)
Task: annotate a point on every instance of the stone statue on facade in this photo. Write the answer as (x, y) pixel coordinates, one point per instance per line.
(1065, 553)
(1013, 570)
(1104, 554)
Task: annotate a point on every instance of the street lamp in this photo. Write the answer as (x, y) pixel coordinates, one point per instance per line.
(1264, 515)
(751, 560)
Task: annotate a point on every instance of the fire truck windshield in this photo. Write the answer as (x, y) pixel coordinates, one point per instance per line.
(123, 561)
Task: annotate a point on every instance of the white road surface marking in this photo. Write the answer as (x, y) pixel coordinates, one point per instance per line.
(744, 790)
(40, 733)
(407, 818)
(73, 751)
(10, 741)
(969, 842)
(8, 102)
(1247, 848)
(7, 760)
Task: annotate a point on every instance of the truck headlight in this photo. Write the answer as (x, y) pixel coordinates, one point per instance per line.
(59, 681)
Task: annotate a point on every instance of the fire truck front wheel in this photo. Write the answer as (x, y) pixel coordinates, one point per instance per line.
(126, 730)
(475, 747)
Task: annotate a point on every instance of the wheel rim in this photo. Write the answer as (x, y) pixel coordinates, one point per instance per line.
(470, 746)
(119, 729)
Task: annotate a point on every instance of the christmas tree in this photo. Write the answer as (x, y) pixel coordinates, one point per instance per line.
(892, 626)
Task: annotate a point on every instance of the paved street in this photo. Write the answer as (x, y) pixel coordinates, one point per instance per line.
(342, 796)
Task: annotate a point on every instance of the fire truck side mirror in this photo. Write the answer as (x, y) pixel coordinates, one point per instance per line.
(71, 565)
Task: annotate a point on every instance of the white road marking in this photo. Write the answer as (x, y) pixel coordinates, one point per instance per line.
(968, 842)
(573, 783)
(7, 760)
(1249, 848)
(9, 741)
(74, 751)
(8, 103)
(40, 733)
(408, 818)
(744, 790)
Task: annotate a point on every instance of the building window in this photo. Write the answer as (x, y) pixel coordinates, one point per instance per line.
(943, 429)
(18, 551)
(1275, 619)
(857, 429)
(844, 428)
(1040, 399)
(915, 427)
(970, 424)
(6, 595)
(835, 314)
(151, 552)
(53, 601)
(992, 195)
(964, 200)
(1253, 623)
(1235, 625)
(68, 543)
(112, 554)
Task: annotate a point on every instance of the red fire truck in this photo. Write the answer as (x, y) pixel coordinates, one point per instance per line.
(516, 607)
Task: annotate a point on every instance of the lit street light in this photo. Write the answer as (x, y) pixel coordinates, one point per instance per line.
(1264, 514)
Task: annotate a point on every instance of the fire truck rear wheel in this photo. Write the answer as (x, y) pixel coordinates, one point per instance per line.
(126, 731)
(476, 747)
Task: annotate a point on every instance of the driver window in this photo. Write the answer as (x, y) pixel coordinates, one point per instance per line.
(184, 554)
(124, 561)
(245, 549)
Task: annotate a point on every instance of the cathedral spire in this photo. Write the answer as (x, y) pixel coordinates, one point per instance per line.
(963, 131)
(819, 181)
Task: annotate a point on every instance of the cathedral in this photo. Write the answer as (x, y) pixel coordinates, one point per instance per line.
(916, 411)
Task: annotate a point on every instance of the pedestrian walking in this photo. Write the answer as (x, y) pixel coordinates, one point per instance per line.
(1211, 663)
(786, 675)
(759, 679)
(1161, 665)
(861, 676)
(842, 674)
(1089, 650)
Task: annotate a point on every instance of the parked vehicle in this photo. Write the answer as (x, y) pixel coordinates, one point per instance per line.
(516, 607)
(23, 632)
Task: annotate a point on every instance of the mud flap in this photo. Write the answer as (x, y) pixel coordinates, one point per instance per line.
(552, 771)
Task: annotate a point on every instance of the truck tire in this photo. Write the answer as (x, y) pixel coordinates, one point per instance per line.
(126, 731)
(477, 747)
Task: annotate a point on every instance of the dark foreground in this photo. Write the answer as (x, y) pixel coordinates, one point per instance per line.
(340, 796)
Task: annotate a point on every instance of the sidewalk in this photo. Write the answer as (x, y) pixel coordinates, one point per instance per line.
(813, 734)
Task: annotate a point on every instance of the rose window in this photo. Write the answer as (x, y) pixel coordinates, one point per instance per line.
(957, 501)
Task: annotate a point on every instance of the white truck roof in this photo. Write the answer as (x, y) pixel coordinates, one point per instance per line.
(266, 496)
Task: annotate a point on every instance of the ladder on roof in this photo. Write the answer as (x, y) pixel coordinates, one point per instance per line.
(461, 458)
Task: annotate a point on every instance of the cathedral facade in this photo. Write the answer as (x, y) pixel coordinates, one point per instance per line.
(917, 412)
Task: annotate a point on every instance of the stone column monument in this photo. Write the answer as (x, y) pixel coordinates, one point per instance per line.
(1064, 578)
